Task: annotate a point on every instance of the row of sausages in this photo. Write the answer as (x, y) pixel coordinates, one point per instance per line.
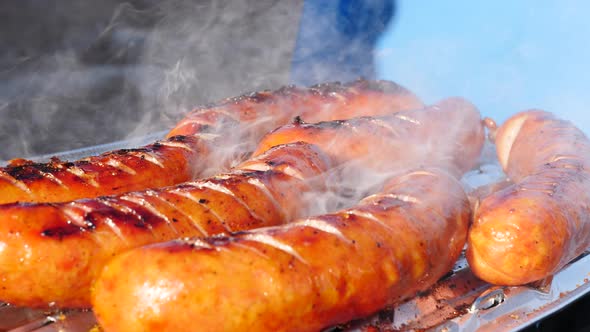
(297, 272)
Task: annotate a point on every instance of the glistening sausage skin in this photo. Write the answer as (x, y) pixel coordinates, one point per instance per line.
(303, 276)
(534, 227)
(206, 141)
(50, 253)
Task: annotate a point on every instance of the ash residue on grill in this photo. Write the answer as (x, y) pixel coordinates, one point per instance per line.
(76, 74)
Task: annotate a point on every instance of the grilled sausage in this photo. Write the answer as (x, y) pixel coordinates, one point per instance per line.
(236, 124)
(534, 227)
(51, 252)
(93, 226)
(160, 164)
(317, 271)
(303, 276)
(414, 132)
(323, 102)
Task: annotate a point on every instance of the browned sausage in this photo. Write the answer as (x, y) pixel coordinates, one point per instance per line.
(160, 164)
(317, 271)
(414, 132)
(92, 227)
(51, 252)
(323, 102)
(303, 276)
(531, 229)
(215, 134)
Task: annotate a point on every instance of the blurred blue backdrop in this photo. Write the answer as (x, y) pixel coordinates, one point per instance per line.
(505, 56)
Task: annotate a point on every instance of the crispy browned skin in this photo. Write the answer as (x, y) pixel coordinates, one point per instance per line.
(50, 253)
(237, 123)
(414, 132)
(531, 229)
(303, 276)
(265, 110)
(160, 164)
(37, 219)
(318, 271)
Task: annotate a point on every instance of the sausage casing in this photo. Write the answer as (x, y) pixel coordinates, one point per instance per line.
(160, 164)
(205, 142)
(534, 227)
(318, 271)
(51, 252)
(412, 133)
(303, 276)
(93, 226)
(265, 110)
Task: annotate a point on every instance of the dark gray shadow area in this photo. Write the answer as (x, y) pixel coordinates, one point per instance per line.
(76, 73)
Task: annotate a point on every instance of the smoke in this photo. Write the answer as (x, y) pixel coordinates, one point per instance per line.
(447, 135)
(75, 75)
(120, 70)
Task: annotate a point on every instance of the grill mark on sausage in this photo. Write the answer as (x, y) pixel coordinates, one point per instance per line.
(398, 197)
(269, 240)
(247, 247)
(148, 156)
(15, 182)
(320, 225)
(123, 212)
(260, 185)
(115, 163)
(290, 171)
(220, 187)
(52, 178)
(188, 195)
(565, 157)
(407, 118)
(86, 177)
(139, 199)
(113, 204)
(422, 172)
(368, 216)
(259, 166)
(75, 213)
(186, 215)
(385, 125)
(115, 229)
(179, 145)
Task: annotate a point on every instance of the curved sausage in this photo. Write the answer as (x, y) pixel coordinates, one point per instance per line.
(317, 271)
(415, 132)
(160, 164)
(302, 276)
(531, 229)
(51, 252)
(206, 141)
(78, 237)
(265, 110)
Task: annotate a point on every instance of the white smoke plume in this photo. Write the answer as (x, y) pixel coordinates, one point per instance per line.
(75, 74)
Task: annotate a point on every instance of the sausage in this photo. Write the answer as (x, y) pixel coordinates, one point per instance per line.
(322, 102)
(303, 276)
(103, 227)
(531, 229)
(51, 252)
(208, 139)
(415, 132)
(160, 164)
(317, 271)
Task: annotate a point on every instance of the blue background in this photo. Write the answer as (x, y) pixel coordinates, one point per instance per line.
(505, 56)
